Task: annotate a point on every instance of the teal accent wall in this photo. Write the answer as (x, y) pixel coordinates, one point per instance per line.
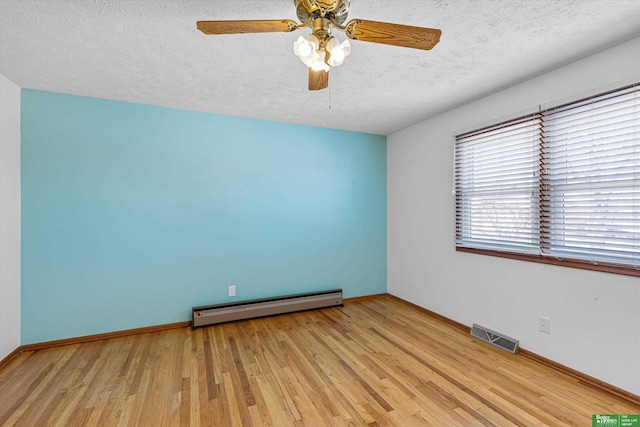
(132, 214)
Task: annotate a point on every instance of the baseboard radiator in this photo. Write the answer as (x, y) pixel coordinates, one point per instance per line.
(495, 338)
(229, 312)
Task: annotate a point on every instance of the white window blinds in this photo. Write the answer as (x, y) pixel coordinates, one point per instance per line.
(591, 179)
(560, 184)
(496, 180)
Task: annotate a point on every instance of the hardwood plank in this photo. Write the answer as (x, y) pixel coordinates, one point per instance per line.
(10, 357)
(375, 361)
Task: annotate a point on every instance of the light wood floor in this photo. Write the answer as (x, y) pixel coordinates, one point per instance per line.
(373, 362)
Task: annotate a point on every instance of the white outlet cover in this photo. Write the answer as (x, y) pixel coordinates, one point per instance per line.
(544, 324)
(232, 291)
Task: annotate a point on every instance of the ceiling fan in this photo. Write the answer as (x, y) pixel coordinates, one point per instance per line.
(320, 50)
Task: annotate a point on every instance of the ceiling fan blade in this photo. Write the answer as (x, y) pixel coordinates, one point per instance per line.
(318, 79)
(250, 26)
(393, 34)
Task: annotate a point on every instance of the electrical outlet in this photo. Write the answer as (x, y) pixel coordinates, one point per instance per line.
(232, 290)
(544, 324)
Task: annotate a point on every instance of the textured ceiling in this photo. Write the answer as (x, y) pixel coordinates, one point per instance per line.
(150, 52)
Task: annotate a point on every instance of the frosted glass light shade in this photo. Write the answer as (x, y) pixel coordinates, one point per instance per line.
(337, 51)
(319, 64)
(306, 49)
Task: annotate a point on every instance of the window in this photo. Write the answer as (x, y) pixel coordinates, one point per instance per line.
(561, 186)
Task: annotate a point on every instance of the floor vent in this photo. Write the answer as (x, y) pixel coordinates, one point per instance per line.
(229, 312)
(494, 338)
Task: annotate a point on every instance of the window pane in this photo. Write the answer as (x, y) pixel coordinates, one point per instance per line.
(591, 181)
(496, 183)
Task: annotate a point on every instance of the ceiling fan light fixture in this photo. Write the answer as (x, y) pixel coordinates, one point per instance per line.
(319, 63)
(306, 49)
(338, 51)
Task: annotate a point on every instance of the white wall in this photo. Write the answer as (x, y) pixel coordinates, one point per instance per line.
(9, 216)
(595, 317)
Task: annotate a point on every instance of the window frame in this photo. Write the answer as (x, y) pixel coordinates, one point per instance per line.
(542, 181)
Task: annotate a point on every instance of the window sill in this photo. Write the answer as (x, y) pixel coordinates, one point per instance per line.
(585, 265)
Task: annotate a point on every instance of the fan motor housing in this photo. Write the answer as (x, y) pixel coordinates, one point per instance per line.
(339, 9)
